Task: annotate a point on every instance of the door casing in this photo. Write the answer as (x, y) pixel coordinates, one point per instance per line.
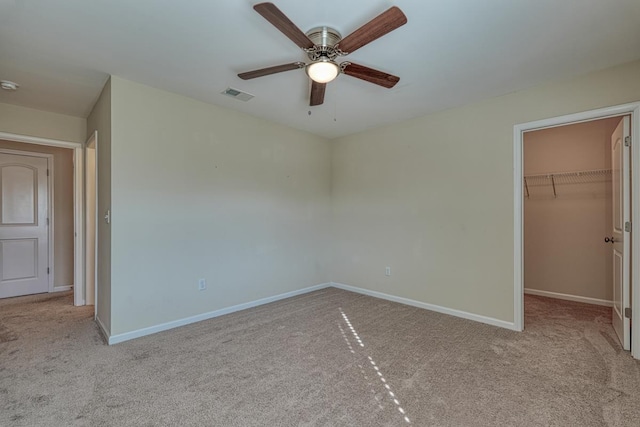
(632, 109)
(91, 150)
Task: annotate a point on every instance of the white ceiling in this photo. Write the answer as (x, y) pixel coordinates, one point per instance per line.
(451, 52)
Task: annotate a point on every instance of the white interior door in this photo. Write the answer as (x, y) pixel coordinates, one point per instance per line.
(23, 225)
(621, 235)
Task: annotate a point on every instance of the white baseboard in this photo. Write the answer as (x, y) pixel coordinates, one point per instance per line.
(114, 339)
(105, 331)
(569, 297)
(432, 307)
(62, 288)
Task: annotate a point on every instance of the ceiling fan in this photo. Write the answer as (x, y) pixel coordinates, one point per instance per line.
(323, 45)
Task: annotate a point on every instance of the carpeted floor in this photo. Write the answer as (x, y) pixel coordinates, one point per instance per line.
(329, 358)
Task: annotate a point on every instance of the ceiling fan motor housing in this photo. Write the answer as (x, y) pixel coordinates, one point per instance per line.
(324, 38)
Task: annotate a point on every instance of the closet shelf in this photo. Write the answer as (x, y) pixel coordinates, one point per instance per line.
(565, 178)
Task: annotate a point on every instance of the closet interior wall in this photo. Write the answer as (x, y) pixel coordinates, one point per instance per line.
(567, 216)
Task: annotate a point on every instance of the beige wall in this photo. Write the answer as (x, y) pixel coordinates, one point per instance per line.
(62, 207)
(432, 197)
(27, 121)
(564, 251)
(200, 191)
(100, 119)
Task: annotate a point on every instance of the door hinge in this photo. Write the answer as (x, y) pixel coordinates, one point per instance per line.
(48, 270)
(627, 141)
(47, 172)
(47, 222)
(627, 226)
(627, 312)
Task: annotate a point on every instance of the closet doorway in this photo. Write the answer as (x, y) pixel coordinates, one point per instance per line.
(576, 214)
(568, 212)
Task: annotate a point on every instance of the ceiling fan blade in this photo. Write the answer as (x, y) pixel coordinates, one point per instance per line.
(317, 93)
(369, 74)
(270, 70)
(379, 26)
(271, 13)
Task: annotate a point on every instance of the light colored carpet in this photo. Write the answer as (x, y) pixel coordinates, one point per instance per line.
(329, 358)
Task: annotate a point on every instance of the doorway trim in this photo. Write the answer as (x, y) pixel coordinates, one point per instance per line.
(91, 144)
(632, 109)
(78, 205)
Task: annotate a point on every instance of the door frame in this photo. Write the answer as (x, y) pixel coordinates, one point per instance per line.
(632, 109)
(78, 205)
(93, 139)
(50, 212)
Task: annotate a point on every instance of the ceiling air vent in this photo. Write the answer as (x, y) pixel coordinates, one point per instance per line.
(7, 85)
(237, 94)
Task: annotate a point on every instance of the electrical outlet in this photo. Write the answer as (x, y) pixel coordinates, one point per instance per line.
(387, 271)
(202, 284)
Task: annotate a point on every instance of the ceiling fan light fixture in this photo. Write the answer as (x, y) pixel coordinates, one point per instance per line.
(322, 71)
